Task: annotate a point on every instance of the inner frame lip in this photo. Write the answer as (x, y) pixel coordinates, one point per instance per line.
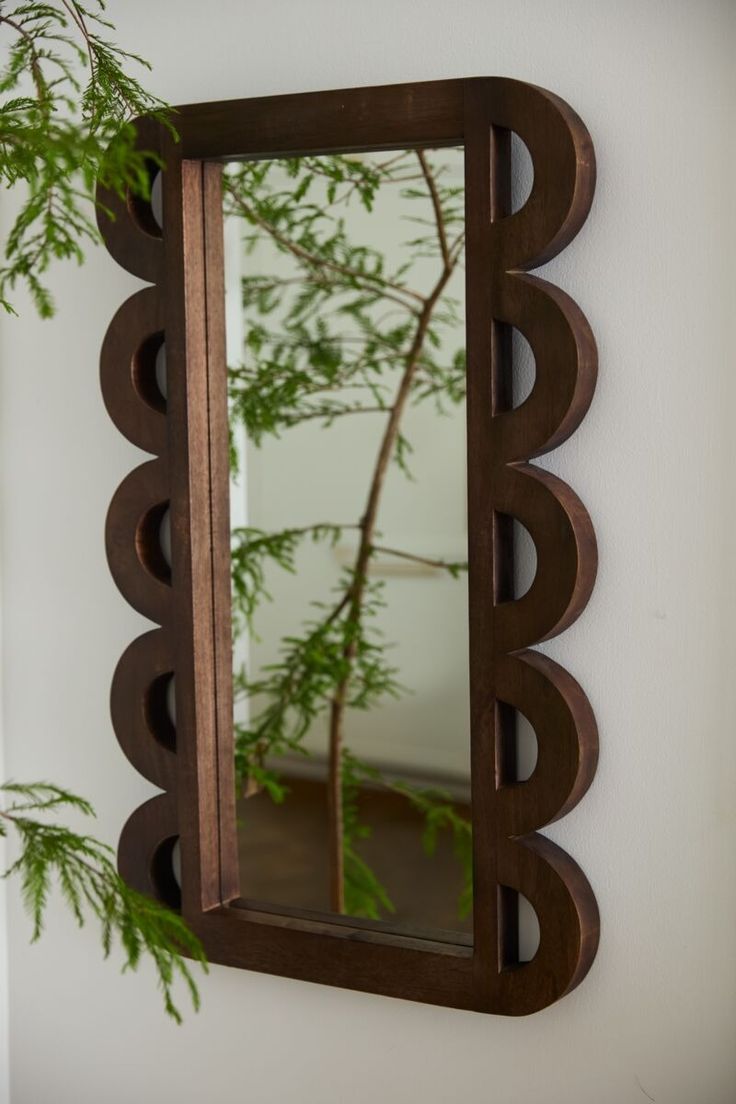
(439, 940)
(332, 150)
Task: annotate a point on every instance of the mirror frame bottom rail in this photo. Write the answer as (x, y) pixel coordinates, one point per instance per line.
(183, 308)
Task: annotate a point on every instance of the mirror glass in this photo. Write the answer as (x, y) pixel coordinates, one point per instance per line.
(346, 368)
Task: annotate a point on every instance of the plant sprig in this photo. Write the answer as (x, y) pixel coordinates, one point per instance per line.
(329, 341)
(291, 693)
(252, 548)
(67, 103)
(82, 868)
(440, 814)
(365, 894)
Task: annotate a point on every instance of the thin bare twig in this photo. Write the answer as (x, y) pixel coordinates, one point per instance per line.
(359, 572)
(437, 207)
(447, 565)
(316, 261)
(81, 24)
(36, 71)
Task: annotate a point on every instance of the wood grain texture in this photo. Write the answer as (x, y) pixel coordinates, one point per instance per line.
(193, 760)
(506, 813)
(132, 539)
(384, 117)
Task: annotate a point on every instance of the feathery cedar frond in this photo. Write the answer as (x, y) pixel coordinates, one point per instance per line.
(89, 883)
(66, 108)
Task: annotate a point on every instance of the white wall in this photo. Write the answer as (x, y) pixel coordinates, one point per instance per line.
(4, 1002)
(654, 462)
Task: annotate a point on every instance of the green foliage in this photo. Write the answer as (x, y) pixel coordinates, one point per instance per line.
(338, 333)
(364, 893)
(440, 814)
(65, 122)
(330, 341)
(83, 869)
(61, 131)
(251, 549)
(292, 693)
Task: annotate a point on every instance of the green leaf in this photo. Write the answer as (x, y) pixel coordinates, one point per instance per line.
(72, 130)
(365, 895)
(91, 887)
(440, 815)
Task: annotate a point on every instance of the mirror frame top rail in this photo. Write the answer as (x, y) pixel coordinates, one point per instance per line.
(191, 760)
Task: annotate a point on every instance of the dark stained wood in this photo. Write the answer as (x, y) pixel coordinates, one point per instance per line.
(133, 548)
(194, 336)
(138, 704)
(498, 439)
(132, 399)
(498, 484)
(193, 764)
(128, 226)
(390, 116)
(219, 507)
(132, 540)
(145, 849)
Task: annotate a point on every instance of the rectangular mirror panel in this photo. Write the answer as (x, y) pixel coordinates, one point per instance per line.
(345, 333)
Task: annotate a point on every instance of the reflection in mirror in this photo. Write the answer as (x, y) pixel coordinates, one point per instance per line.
(345, 317)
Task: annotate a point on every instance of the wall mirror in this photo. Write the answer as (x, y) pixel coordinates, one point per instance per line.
(349, 532)
(342, 370)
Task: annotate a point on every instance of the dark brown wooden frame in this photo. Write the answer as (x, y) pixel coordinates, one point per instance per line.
(192, 762)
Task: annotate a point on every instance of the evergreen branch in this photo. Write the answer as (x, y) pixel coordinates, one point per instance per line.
(333, 665)
(365, 182)
(90, 884)
(313, 260)
(436, 206)
(457, 247)
(60, 141)
(453, 567)
(34, 56)
(330, 412)
(299, 687)
(364, 893)
(78, 18)
(391, 436)
(252, 548)
(440, 814)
